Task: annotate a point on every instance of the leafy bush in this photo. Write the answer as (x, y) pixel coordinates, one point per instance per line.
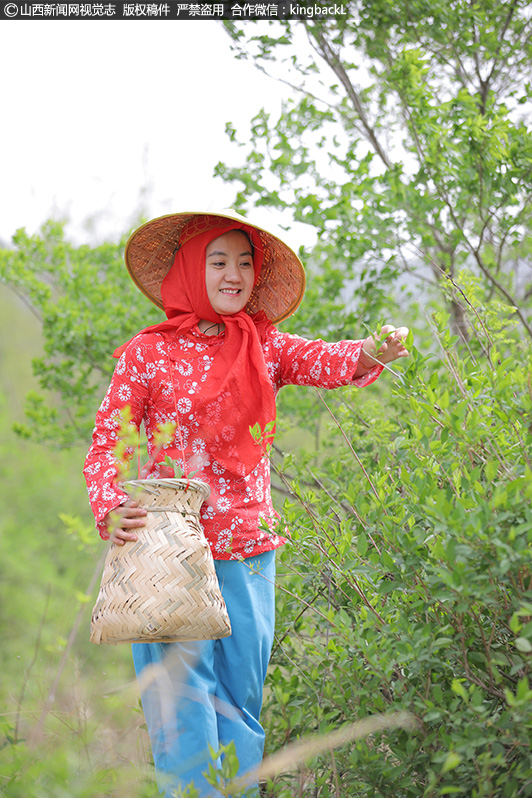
(87, 306)
(408, 584)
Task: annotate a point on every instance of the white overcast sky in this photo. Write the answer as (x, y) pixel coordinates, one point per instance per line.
(101, 117)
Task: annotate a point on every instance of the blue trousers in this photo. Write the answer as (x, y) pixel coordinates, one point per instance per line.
(209, 693)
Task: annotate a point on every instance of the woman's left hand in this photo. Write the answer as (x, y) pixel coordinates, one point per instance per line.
(392, 348)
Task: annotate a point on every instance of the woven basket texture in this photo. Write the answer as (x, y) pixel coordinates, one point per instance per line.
(162, 587)
(150, 253)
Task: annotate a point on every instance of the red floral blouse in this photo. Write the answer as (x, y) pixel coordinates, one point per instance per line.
(155, 377)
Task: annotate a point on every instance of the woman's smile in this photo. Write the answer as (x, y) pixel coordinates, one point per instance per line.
(229, 273)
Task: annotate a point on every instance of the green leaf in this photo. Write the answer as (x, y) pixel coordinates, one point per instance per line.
(452, 760)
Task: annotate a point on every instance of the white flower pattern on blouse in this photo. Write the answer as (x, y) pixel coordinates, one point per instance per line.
(156, 376)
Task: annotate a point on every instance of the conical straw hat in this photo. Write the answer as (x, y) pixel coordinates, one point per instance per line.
(150, 253)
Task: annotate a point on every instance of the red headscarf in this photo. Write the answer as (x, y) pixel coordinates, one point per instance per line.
(238, 380)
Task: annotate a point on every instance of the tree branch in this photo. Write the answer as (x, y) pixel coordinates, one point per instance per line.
(333, 60)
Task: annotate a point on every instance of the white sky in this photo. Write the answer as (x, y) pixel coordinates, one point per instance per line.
(103, 117)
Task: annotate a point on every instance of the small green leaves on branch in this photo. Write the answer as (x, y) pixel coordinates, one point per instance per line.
(263, 437)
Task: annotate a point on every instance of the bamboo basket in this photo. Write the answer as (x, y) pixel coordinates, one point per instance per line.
(162, 587)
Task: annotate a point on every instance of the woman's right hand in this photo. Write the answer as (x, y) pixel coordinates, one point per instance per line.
(121, 520)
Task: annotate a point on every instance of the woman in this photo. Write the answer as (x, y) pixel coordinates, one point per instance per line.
(214, 368)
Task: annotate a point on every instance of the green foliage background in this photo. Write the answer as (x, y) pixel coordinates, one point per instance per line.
(74, 699)
(407, 583)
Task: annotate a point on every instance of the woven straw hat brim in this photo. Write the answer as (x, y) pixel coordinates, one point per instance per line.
(150, 253)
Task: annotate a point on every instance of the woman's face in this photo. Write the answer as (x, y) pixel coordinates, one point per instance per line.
(229, 274)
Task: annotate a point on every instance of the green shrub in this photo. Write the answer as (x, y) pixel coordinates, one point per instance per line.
(408, 582)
